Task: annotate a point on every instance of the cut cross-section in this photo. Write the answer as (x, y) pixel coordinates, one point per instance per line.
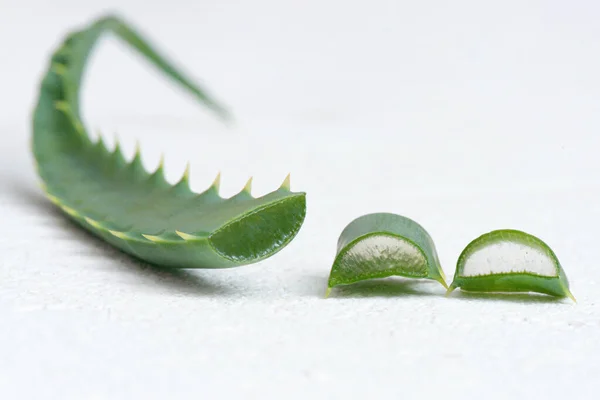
(510, 261)
(381, 245)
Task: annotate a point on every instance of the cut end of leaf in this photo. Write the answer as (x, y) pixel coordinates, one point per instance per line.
(378, 255)
(381, 245)
(257, 235)
(505, 257)
(510, 261)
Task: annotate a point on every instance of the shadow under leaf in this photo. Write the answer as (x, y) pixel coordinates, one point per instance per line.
(387, 287)
(520, 297)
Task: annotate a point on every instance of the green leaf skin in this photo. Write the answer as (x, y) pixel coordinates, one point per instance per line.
(381, 245)
(520, 279)
(138, 211)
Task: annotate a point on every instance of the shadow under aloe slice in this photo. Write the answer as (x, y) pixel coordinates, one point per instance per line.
(510, 261)
(381, 245)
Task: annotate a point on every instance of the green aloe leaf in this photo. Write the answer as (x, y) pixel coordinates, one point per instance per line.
(381, 245)
(509, 260)
(138, 211)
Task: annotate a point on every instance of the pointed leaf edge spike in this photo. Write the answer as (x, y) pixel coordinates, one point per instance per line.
(120, 235)
(100, 142)
(186, 173)
(185, 236)
(153, 238)
(117, 152)
(216, 185)
(161, 162)
(248, 186)
(160, 168)
(570, 295)
(442, 279)
(286, 184)
(184, 181)
(442, 282)
(137, 155)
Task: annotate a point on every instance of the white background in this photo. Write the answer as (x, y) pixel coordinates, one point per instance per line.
(466, 116)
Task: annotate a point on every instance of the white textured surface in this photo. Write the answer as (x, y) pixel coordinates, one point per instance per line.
(490, 119)
(504, 257)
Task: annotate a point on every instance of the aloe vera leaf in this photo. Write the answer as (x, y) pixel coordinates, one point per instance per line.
(508, 260)
(138, 211)
(381, 245)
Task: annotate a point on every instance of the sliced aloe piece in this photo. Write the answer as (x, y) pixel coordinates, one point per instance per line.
(381, 245)
(138, 211)
(509, 260)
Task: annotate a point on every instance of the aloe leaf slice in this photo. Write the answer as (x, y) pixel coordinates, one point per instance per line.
(381, 245)
(508, 260)
(137, 211)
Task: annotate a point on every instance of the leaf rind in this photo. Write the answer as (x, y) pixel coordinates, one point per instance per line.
(512, 281)
(401, 230)
(59, 134)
